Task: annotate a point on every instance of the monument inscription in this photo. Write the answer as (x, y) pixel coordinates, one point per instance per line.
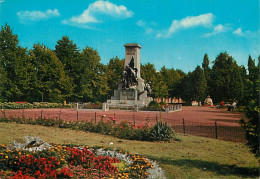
(127, 95)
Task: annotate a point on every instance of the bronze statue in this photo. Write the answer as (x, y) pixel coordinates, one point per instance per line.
(129, 75)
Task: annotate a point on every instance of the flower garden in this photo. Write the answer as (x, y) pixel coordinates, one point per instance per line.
(65, 161)
(68, 161)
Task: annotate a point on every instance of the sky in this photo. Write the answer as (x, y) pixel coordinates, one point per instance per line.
(173, 33)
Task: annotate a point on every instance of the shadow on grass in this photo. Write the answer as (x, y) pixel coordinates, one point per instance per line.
(220, 169)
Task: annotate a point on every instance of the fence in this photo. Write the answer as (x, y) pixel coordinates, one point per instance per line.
(215, 129)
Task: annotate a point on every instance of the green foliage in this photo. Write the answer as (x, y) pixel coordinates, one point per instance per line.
(226, 79)
(114, 71)
(252, 109)
(49, 80)
(194, 86)
(13, 105)
(252, 127)
(93, 84)
(161, 132)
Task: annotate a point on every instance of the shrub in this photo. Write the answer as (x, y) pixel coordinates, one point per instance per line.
(252, 127)
(162, 132)
(13, 105)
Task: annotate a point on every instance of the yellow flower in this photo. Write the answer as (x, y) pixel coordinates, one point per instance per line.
(19, 153)
(6, 156)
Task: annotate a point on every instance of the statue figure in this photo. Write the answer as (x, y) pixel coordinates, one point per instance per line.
(129, 75)
(148, 88)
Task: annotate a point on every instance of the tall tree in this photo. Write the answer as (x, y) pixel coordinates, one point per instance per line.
(171, 78)
(14, 65)
(199, 84)
(160, 89)
(68, 53)
(149, 74)
(115, 68)
(226, 81)
(49, 80)
(93, 84)
(251, 126)
(206, 69)
(194, 86)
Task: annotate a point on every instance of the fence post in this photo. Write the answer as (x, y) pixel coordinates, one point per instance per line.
(4, 114)
(41, 114)
(134, 119)
(95, 117)
(183, 125)
(216, 129)
(23, 114)
(60, 115)
(114, 114)
(77, 115)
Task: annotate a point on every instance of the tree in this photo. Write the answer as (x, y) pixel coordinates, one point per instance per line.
(149, 74)
(194, 86)
(226, 81)
(172, 77)
(68, 53)
(252, 109)
(160, 89)
(93, 84)
(114, 71)
(205, 66)
(50, 82)
(14, 66)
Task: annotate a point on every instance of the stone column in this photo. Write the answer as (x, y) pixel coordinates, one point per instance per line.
(133, 50)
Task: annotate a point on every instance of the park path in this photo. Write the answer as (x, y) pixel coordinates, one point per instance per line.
(189, 113)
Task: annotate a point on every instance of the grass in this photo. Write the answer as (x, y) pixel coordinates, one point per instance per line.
(193, 157)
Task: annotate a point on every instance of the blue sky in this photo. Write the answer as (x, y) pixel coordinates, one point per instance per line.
(174, 33)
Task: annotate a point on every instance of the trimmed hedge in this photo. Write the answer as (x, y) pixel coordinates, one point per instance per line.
(14, 105)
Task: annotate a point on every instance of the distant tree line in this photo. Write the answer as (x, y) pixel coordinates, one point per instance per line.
(68, 73)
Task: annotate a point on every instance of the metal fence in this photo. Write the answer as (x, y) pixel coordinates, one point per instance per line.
(212, 129)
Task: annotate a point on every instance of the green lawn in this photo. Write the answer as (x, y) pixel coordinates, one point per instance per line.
(193, 157)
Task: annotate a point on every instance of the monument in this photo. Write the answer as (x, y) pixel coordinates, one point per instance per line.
(132, 91)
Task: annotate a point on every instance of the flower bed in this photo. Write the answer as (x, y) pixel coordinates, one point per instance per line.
(65, 161)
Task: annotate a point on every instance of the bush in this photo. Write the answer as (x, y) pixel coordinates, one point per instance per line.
(13, 105)
(153, 103)
(162, 132)
(252, 127)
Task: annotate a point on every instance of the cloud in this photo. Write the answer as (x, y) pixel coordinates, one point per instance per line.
(98, 9)
(145, 26)
(37, 15)
(217, 29)
(204, 20)
(238, 32)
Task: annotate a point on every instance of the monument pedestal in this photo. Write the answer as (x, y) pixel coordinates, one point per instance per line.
(135, 96)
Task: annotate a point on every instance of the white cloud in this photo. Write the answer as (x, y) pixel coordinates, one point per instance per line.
(145, 26)
(188, 22)
(99, 8)
(37, 15)
(217, 29)
(238, 32)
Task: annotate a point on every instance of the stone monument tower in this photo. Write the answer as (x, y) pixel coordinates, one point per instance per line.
(131, 92)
